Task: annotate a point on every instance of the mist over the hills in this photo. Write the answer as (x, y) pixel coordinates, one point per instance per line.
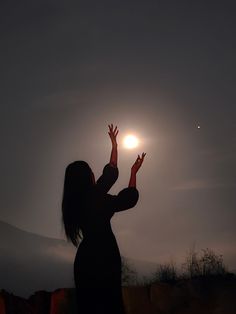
(31, 262)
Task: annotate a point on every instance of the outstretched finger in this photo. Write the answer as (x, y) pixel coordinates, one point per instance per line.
(139, 159)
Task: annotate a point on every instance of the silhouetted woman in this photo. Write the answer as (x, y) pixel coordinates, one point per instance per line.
(86, 212)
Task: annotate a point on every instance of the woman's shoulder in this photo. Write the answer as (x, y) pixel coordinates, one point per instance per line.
(110, 168)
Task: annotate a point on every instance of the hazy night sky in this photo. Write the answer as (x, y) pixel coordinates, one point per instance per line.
(156, 68)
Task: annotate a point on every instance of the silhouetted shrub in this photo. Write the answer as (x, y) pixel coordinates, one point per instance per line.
(211, 264)
(129, 274)
(165, 273)
(208, 264)
(191, 268)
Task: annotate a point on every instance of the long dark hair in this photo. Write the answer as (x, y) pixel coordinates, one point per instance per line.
(77, 182)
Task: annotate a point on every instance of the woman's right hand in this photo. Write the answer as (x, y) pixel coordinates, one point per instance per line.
(113, 134)
(138, 163)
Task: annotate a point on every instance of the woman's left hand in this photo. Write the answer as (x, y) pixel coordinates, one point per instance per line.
(138, 163)
(113, 134)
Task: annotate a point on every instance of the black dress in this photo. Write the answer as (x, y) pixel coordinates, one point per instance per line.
(97, 264)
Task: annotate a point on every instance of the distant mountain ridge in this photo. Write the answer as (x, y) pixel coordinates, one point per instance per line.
(31, 262)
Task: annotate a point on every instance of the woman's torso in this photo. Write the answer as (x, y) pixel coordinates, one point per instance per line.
(99, 244)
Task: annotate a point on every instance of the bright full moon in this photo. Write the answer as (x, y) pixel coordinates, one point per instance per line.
(130, 141)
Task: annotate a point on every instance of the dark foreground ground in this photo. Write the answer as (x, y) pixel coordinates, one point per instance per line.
(195, 296)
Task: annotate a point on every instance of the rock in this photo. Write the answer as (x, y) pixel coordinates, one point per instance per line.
(168, 298)
(200, 295)
(40, 302)
(136, 300)
(63, 301)
(2, 304)
(16, 305)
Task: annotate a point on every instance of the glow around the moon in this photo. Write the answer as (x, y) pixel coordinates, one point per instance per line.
(130, 141)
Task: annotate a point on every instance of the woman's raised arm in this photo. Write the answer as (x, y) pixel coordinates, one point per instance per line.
(114, 154)
(128, 197)
(137, 164)
(110, 171)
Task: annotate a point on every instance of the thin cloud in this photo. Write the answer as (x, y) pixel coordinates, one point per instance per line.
(198, 184)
